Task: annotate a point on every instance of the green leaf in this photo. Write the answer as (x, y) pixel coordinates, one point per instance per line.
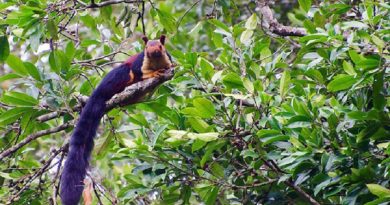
(359, 115)
(139, 119)
(198, 124)
(32, 70)
(16, 65)
(267, 133)
(167, 20)
(54, 63)
(318, 36)
(197, 145)
(208, 193)
(20, 99)
(217, 170)
(70, 50)
(204, 107)
(249, 153)
(353, 24)
(251, 23)
(5, 5)
(207, 68)
(356, 58)
(4, 48)
(210, 149)
(305, 4)
(378, 201)
(339, 8)
(58, 61)
(195, 30)
(248, 85)
(246, 37)
(9, 77)
(12, 115)
(379, 42)
(368, 63)
(378, 190)
(219, 24)
(341, 82)
(348, 68)
(299, 121)
(276, 138)
(233, 80)
(284, 82)
(52, 28)
(378, 97)
(310, 27)
(191, 58)
(207, 137)
(270, 136)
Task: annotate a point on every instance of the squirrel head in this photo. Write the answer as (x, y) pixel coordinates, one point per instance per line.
(154, 48)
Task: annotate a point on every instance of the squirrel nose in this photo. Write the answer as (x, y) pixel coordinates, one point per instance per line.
(156, 54)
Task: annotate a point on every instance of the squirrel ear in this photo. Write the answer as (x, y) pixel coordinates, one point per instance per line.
(162, 39)
(145, 39)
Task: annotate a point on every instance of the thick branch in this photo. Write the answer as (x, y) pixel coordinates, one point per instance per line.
(49, 116)
(269, 22)
(130, 95)
(106, 3)
(134, 93)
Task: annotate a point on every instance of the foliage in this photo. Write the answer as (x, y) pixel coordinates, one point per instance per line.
(250, 117)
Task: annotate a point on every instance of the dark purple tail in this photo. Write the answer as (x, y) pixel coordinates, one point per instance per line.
(80, 147)
(81, 142)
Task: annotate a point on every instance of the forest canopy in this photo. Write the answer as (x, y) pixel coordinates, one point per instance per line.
(270, 102)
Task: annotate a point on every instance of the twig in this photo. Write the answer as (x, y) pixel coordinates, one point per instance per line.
(142, 18)
(305, 195)
(56, 177)
(273, 166)
(35, 175)
(32, 137)
(96, 193)
(98, 187)
(185, 13)
(100, 57)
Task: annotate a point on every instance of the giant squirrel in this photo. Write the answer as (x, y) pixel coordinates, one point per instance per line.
(152, 62)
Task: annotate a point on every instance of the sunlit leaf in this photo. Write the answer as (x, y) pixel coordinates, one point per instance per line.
(341, 82)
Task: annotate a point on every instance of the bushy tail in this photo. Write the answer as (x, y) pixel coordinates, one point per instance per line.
(80, 148)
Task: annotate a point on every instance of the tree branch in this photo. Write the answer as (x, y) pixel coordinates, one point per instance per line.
(32, 137)
(273, 166)
(269, 22)
(305, 195)
(106, 3)
(130, 95)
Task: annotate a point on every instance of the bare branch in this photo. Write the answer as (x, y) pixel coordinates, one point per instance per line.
(106, 3)
(269, 22)
(185, 13)
(32, 137)
(135, 92)
(25, 181)
(274, 167)
(130, 95)
(302, 192)
(49, 116)
(111, 55)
